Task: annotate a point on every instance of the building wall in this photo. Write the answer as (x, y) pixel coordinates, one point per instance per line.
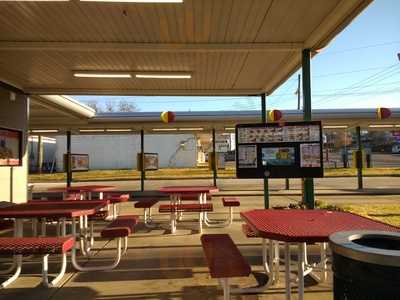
(14, 180)
(119, 151)
(49, 152)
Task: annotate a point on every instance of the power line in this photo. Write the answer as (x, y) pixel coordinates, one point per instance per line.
(377, 77)
(360, 48)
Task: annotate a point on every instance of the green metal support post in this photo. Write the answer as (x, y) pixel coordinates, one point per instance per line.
(264, 120)
(142, 170)
(308, 183)
(68, 162)
(214, 160)
(359, 163)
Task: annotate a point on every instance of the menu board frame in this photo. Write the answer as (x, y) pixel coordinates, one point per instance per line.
(284, 150)
(8, 157)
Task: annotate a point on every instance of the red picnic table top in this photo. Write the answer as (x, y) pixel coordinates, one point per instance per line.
(82, 188)
(51, 210)
(295, 225)
(188, 189)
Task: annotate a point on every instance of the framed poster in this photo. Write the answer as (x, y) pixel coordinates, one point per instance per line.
(79, 162)
(151, 161)
(10, 147)
(279, 150)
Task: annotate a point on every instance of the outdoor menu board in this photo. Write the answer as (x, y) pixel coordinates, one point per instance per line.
(10, 147)
(279, 150)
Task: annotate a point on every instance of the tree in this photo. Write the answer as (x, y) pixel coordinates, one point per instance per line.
(125, 106)
(95, 105)
(109, 106)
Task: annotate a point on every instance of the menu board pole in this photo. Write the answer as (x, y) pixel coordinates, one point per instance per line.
(359, 163)
(142, 171)
(69, 167)
(214, 159)
(308, 183)
(264, 120)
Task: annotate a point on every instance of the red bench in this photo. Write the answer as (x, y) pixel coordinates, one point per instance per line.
(146, 205)
(44, 246)
(114, 200)
(224, 259)
(230, 202)
(173, 209)
(119, 229)
(187, 207)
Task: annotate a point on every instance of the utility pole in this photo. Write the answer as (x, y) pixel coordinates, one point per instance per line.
(298, 92)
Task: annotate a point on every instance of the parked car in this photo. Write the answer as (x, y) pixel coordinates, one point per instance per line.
(396, 149)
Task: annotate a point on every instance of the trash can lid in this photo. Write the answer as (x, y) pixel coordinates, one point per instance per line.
(371, 246)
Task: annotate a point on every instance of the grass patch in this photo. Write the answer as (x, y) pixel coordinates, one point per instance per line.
(389, 214)
(200, 172)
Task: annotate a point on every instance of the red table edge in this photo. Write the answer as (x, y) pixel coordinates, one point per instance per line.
(316, 239)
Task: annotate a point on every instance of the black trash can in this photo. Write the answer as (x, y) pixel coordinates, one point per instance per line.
(366, 265)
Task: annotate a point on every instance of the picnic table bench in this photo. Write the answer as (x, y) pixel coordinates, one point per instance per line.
(175, 208)
(224, 260)
(19, 246)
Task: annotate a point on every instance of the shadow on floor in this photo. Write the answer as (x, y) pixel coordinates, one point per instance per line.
(41, 293)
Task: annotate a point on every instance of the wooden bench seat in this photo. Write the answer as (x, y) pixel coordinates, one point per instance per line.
(19, 246)
(224, 259)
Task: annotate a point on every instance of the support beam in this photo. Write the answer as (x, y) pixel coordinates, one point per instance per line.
(142, 171)
(149, 47)
(39, 161)
(359, 159)
(214, 159)
(264, 120)
(68, 162)
(308, 183)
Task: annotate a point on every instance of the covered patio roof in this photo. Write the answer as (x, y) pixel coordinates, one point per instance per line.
(227, 47)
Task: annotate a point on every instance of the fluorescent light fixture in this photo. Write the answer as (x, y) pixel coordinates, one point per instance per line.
(397, 125)
(101, 74)
(191, 129)
(335, 126)
(119, 130)
(164, 75)
(34, 0)
(381, 126)
(138, 1)
(44, 130)
(45, 140)
(91, 130)
(164, 129)
(229, 128)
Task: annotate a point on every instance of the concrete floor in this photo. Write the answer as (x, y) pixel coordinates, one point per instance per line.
(157, 266)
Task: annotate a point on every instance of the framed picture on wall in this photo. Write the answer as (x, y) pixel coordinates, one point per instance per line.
(10, 147)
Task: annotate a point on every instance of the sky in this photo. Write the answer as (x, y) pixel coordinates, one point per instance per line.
(360, 68)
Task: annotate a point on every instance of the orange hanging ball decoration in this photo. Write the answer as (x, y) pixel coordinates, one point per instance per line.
(167, 116)
(383, 113)
(275, 115)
